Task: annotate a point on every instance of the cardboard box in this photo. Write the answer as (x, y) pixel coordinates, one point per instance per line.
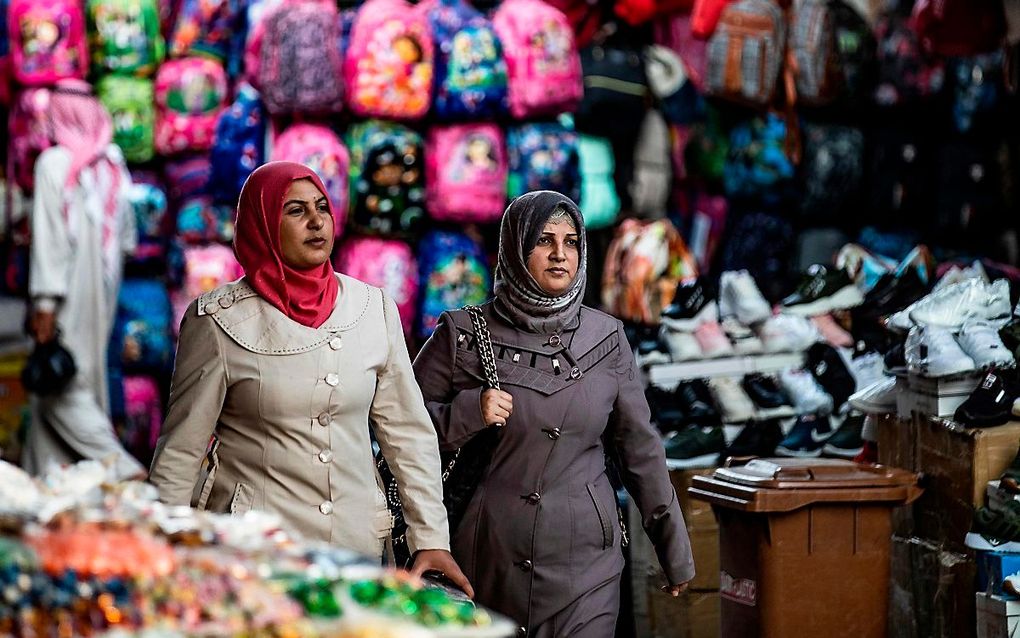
(692, 615)
(931, 593)
(897, 447)
(922, 396)
(997, 617)
(992, 568)
(996, 497)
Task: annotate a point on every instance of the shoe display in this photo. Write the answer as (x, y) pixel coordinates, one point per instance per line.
(744, 340)
(895, 359)
(991, 403)
(693, 447)
(832, 332)
(788, 333)
(973, 299)
(693, 303)
(757, 438)
(933, 352)
(892, 294)
(733, 402)
(695, 400)
(1010, 335)
(920, 261)
(981, 342)
(712, 340)
(807, 438)
(682, 346)
(829, 369)
(665, 409)
(996, 530)
(877, 398)
(821, 291)
(868, 454)
(863, 266)
(808, 397)
(868, 369)
(651, 352)
(740, 297)
(1011, 585)
(768, 397)
(1010, 479)
(846, 441)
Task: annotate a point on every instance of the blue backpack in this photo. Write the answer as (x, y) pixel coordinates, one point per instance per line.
(757, 165)
(543, 156)
(454, 273)
(141, 331)
(240, 145)
(470, 70)
(150, 207)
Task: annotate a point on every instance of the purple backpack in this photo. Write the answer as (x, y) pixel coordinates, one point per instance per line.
(466, 173)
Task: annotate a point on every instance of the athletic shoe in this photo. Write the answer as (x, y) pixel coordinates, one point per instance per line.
(863, 266)
(683, 346)
(1011, 584)
(868, 454)
(1010, 335)
(695, 401)
(996, 530)
(733, 402)
(694, 447)
(829, 369)
(982, 343)
(953, 306)
(651, 352)
(868, 369)
(823, 290)
(808, 397)
(692, 304)
(666, 411)
(712, 341)
(807, 438)
(933, 352)
(896, 359)
(832, 332)
(991, 403)
(901, 322)
(921, 261)
(740, 297)
(757, 438)
(768, 397)
(877, 398)
(788, 333)
(846, 441)
(743, 338)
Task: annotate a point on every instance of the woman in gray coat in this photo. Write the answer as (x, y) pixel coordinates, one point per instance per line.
(541, 540)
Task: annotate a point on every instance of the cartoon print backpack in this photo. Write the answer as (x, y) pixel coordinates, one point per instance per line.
(466, 173)
(454, 274)
(387, 178)
(148, 201)
(130, 103)
(190, 93)
(470, 70)
(142, 421)
(203, 269)
(388, 65)
(187, 177)
(386, 263)
(300, 68)
(47, 41)
(319, 148)
(141, 330)
(29, 134)
(757, 163)
(543, 156)
(543, 66)
(746, 52)
(124, 36)
(201, 220)
(239, 147)
(599, 203)
(210, 27)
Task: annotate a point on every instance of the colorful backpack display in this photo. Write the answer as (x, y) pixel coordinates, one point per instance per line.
(834, 51)
(388, 65)
(543, 156)
(746, 52)
(29, 134)
(150, 207)
(142, 421)
(130, 103)
(186, 178)
(453, 273)
(386, 263)
(616, 91)
(300, 68)
(652, 179)
(466, 173)
(319, 148)
(203, 269)
(832, 168)
(209, 27)
(470, 70)
(387, 178)
(757, 162)
(125, 36)
(201, 220)
(141, 331)
(47, 41)
(239, 147)
(190, 94)
(543, 66)
(906, 73)
(599, 203)
(5, 55)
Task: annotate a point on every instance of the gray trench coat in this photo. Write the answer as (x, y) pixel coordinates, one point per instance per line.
(542, 529)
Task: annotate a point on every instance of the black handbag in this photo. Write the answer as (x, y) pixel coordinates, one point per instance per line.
(462, 468)
(49, 370)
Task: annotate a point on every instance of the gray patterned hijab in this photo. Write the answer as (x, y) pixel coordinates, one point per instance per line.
(519, 298)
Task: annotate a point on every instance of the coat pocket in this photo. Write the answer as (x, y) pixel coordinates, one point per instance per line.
(242, 500)
(608, 535)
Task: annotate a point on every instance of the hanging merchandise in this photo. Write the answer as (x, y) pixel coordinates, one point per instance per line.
(969, 194)
(906, 72)
(386, 263)
(124, 36)
(240, 145)
(705, 16)
(706, 227)
(709, 147)
(652, 181)
(746, 52)
(148, 201)
(470, 74)
(187, 177)
(901, 174)
(130, 103)
(190, 94)
(388, 65)
(202, 269)
(599, 203)
(834, 52)
(638, 12)
(5, 54)
(644, 263)
(959, 27)
(832, 170)
(318, 147)
(140, 339)
(47, 40)
(453, 274)
(615, 91)
(543, 156)
(29, 134)
(300, 66)
(544, 69)
(978, 88)
(387, 175)
(757, 163)
(200, 220)
(674, 33)
(760, 243)
(142, 421)
(856, 54)
(584, 16)
(466, 173)
(210, 27)
(677, 98)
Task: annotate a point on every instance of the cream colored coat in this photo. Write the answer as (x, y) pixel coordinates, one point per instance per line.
(291, 407)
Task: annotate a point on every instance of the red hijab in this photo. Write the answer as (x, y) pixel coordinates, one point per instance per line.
(306, 296)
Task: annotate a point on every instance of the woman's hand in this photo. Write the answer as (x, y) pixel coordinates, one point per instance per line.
(497, 406)
(439, 560)
(43, 326)
(676, 590)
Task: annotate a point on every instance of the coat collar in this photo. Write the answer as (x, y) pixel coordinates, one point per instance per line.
(258, 326)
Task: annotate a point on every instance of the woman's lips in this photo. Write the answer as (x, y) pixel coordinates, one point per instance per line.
(317, 242)
(556, 271)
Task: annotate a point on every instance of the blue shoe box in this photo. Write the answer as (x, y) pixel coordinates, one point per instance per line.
(992, 568)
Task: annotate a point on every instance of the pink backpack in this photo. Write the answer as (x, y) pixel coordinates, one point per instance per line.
(206, 268)
(388, 68)
(466, 173)
(29, 135)
(143, 416)
(386, 263)
(318, 147)
(47, 41)
(190, 94)
(543, 66)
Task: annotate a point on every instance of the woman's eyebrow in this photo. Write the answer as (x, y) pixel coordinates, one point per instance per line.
(293, 201)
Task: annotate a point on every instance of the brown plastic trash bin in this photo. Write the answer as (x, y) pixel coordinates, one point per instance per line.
(804, 545)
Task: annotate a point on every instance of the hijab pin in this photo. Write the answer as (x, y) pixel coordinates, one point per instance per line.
(554, 340)
(556, 365)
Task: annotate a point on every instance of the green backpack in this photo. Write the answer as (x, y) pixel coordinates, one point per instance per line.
(130, 103)
(124, 36)
(600, 204)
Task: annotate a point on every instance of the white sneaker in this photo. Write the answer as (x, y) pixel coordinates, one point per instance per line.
(981, 342)
(954, 305)
(788, 333)
(739, 297)
(682, 345)
(807, 395)
(743, 338)
(733, 403)
(867, 369)
(933, 352)
(955, 276)
(877, 398)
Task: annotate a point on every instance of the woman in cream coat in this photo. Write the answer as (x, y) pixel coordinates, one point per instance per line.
(289, 368)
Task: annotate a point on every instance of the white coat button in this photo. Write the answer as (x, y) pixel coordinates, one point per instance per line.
(226, 302)
(332, 379)
(326, 508)
(326, 456)
(211, 308)
(325, 419)
(335, 343)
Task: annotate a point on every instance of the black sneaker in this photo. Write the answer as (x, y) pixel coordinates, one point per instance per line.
(694, 447)
(1010, 335)
(892, 294)
(991, 403)
(666, 412)
(693, 303)
(807, 438)
(827, 367)
(822, 291)
(846, 442)
(767, 395)
(757, 438)
(652, 351)
(896, 359)
(695, 399)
